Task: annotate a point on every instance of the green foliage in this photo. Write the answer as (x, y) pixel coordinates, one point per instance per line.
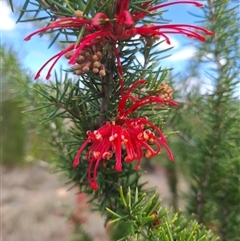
(136, 215)
(71, 106)
(13, 131)
(145, 219)
(19, 137)
(209, 126)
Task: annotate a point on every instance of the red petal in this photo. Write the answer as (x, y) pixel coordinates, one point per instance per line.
(76, 159)
(118, 147)
(87, 39)
(121, 6)
(173, 3)
(98, 19)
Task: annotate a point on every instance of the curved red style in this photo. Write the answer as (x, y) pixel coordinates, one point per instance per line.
(102, 29)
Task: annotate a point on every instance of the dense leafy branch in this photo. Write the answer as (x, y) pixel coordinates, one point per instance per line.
(114, 106)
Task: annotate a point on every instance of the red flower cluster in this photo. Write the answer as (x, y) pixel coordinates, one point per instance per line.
(133, 135)
(102, 29)
(127, 138)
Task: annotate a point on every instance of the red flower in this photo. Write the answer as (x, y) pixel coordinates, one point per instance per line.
(102, 29)
(127, 136)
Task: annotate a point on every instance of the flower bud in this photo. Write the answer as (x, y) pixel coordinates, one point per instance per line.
(95, 58)
(78, 14)
(102, 73)
(96, 64)
(68, 55)
(95, 70)
(85, 69)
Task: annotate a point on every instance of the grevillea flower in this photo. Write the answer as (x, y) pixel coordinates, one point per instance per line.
(122, 26)
(132, 138)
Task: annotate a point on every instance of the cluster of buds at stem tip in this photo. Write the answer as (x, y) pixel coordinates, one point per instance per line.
(133, 138)
(89, 59)
(165, 91)
(123, 26)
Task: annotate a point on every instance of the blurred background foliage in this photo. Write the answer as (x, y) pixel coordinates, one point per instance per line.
(20, 140)
(207, 144)
(13, 131)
